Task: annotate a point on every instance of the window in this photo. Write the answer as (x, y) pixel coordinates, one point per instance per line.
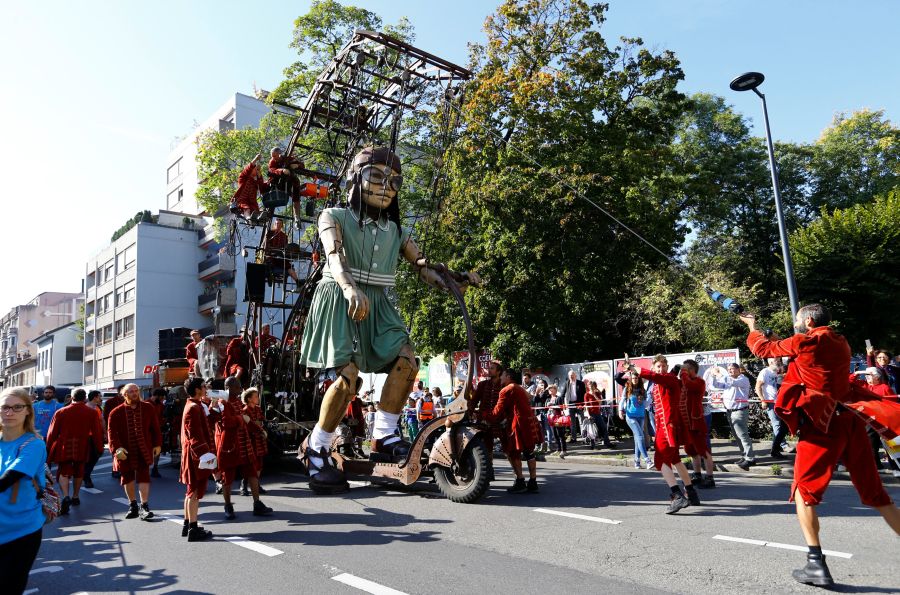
(125, 258)
(125, 327)
(124, 362)
(109, 270)
(106, 334)
(174, 197)
(104, 367)
(174, 171)
(125, 293)
(106, 303)
(74, 354)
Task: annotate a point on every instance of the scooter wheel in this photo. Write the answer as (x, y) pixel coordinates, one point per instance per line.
(471, 479)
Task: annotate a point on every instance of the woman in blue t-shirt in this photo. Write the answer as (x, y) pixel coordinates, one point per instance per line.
(23, 455)
(633, 408)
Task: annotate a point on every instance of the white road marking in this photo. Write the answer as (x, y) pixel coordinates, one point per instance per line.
(92, 490)
(781, 546)
(255, 546)
(162, 461)
(365, 585)
(46, 569)
(359, 484)
(29, 591)
(236, 540)
(573, 515)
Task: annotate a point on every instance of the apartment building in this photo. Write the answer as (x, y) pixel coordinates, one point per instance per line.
(23, 324)
(145, 280)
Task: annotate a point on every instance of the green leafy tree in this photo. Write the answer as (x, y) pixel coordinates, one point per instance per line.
(847, 260)
(855, 159)
(553, 101)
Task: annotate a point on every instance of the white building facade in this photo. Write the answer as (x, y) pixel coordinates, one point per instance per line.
(59, 357)
(144, 281)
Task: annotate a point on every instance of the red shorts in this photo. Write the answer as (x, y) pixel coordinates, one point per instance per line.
(141, 475)
(70, 469)
(665, 455)
(248, 470)
(818, 453)
(197, 489)
(696, 444)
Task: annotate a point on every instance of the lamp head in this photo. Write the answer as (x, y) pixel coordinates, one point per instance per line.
(747, 81)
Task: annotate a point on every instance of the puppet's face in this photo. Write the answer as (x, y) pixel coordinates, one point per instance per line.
(379, 185)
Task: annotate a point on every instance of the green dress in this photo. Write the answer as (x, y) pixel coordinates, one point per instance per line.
(331, 339)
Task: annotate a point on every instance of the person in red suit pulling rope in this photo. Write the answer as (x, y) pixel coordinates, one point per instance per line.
(829, 414)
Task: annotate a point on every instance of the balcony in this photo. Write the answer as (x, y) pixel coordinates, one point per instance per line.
(220, 265)
(226, 328)
(207, 235)
(224, 298)
(206, 302)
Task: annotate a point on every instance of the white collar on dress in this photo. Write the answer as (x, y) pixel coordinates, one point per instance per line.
(382, 222)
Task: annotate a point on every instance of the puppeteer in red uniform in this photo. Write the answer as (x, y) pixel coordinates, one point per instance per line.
(519, 434)
(667, 413)
(74, 431)
(250, 184)
(817, 401)
(190, 351)
(693, 420)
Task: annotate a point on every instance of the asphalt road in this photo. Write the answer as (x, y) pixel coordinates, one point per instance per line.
(388, 539)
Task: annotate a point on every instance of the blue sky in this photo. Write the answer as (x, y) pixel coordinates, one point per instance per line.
(94, 92)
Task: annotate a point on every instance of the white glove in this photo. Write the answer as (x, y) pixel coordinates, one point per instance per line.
(208, 461)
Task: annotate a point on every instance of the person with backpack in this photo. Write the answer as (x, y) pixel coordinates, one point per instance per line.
(23, 457)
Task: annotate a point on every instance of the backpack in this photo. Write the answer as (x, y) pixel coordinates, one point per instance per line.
(48, 496)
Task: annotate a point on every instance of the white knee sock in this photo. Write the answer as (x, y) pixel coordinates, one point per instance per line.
(318, 440)
(385, 424)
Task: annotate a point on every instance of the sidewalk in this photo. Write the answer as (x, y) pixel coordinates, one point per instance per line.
(725, 455)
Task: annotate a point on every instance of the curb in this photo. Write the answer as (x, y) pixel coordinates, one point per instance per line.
(758, 471)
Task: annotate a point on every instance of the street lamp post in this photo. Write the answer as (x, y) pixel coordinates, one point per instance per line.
(749, 81)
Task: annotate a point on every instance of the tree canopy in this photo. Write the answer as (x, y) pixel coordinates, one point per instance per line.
(561, 130)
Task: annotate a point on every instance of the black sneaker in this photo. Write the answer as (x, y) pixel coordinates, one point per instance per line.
(245, 490)
(155, 473)
(76, 501)
(532, 486)
(518, 487)
(229, 512)
(133, 511)
(696, 478)
(260, 509)
(744, 464)
(707, 483)
(693, 497)
(676, 503)
(198, 533)
(778, 455)
(64, 506)
(261, 490)
(815, 572)
(88, 483)
(145, 513)
(184, 530)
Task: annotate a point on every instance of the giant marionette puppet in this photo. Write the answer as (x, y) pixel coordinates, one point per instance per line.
(352, 327)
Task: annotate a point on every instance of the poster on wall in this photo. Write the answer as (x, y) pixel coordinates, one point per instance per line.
(707, 360)
(461, 366)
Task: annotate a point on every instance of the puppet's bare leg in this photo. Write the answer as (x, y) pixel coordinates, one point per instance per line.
(387, 444)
